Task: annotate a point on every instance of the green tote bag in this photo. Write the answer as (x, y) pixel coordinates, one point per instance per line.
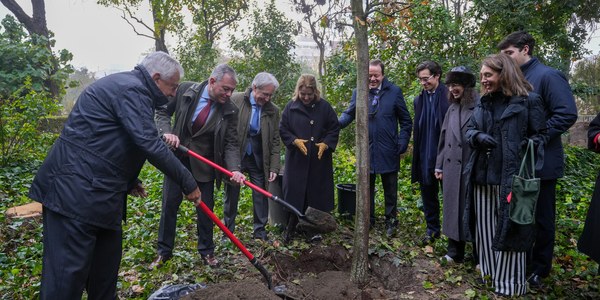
(525, 190)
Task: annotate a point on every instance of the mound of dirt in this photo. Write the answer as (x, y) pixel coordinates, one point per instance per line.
(324, 273)
(245, 289)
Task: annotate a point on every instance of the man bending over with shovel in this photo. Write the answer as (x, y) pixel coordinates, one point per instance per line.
(84, 180)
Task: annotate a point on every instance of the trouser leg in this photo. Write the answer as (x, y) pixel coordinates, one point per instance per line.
(102, 280)
(171, 200)
(204, 224)
(68, 249)
(230, 207)
(456, 249)
(389, 181)
(485, 213)
(431, 208)
(545, 219)
(260, 204)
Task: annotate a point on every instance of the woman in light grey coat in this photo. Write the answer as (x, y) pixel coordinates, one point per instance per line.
(453, 155)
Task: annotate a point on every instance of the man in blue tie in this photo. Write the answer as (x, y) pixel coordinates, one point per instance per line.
(258, 133)
(205, 122)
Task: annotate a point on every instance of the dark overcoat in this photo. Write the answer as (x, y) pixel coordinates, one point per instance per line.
(216, 140)
(588, 242)
(307, 180)
(107, 138)
(523, 118)
(441, 107)
(385, 142)
(453, 155)
(559, 109)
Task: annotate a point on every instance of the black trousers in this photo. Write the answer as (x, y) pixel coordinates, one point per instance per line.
(389, 181)
(171, 200)
(260, 204)
(79, 256)
(431, 207)
(540, 257)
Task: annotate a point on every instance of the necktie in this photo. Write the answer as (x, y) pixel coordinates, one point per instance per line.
(254, 127)
(202, 116)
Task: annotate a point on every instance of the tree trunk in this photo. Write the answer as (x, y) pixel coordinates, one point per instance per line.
(159, 30)
(36, 25)
(361, 235)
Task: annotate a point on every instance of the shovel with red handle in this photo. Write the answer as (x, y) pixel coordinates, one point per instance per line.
(313, 220)
(236, 242)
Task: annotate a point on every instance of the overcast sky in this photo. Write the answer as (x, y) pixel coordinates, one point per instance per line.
(103, 42)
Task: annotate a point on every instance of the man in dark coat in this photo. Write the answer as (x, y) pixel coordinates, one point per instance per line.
(258, 134)
(387, 110)
(84, 181)
(430, 109)
(561, 114)
(206, 123)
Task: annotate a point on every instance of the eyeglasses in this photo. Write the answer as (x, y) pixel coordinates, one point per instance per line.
(424, 79)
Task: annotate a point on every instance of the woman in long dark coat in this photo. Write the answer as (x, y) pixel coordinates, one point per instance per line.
(453, 155)
(309, 130)
(588, 242)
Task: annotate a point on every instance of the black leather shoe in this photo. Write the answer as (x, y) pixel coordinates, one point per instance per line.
(158, 262)
(535, 282)
(210, 260)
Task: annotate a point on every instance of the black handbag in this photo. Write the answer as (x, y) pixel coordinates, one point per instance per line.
(525, 190)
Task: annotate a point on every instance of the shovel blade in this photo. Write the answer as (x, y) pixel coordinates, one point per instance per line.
(317, 221)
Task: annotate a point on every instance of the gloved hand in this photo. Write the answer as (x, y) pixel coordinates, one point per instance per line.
(300, 144)
(322, 148)
(486, 140)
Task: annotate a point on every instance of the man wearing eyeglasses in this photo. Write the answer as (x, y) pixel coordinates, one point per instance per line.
(430, 108)
(387, 110)
(258, 133)
(206, 123)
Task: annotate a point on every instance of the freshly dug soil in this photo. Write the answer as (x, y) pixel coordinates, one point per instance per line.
(324, 273)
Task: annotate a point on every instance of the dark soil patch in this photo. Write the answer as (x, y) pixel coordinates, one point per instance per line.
(324, 273)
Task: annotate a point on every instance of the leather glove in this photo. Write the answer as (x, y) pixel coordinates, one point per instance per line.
(322, 148)
(486, 140)
(300, 144)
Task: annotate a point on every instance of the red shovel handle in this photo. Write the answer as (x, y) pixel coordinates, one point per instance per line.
(223, 170)
(236, 242)
(246, 182)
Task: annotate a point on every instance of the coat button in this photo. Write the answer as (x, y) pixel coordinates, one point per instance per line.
(312, 139)
(312, 122)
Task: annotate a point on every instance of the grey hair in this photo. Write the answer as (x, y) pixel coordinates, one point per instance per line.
(263, 79)
(163, 64)
(219, 72)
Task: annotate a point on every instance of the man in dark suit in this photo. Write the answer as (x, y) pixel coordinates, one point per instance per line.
(430, 109)
(258, 133)
(205, 122)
